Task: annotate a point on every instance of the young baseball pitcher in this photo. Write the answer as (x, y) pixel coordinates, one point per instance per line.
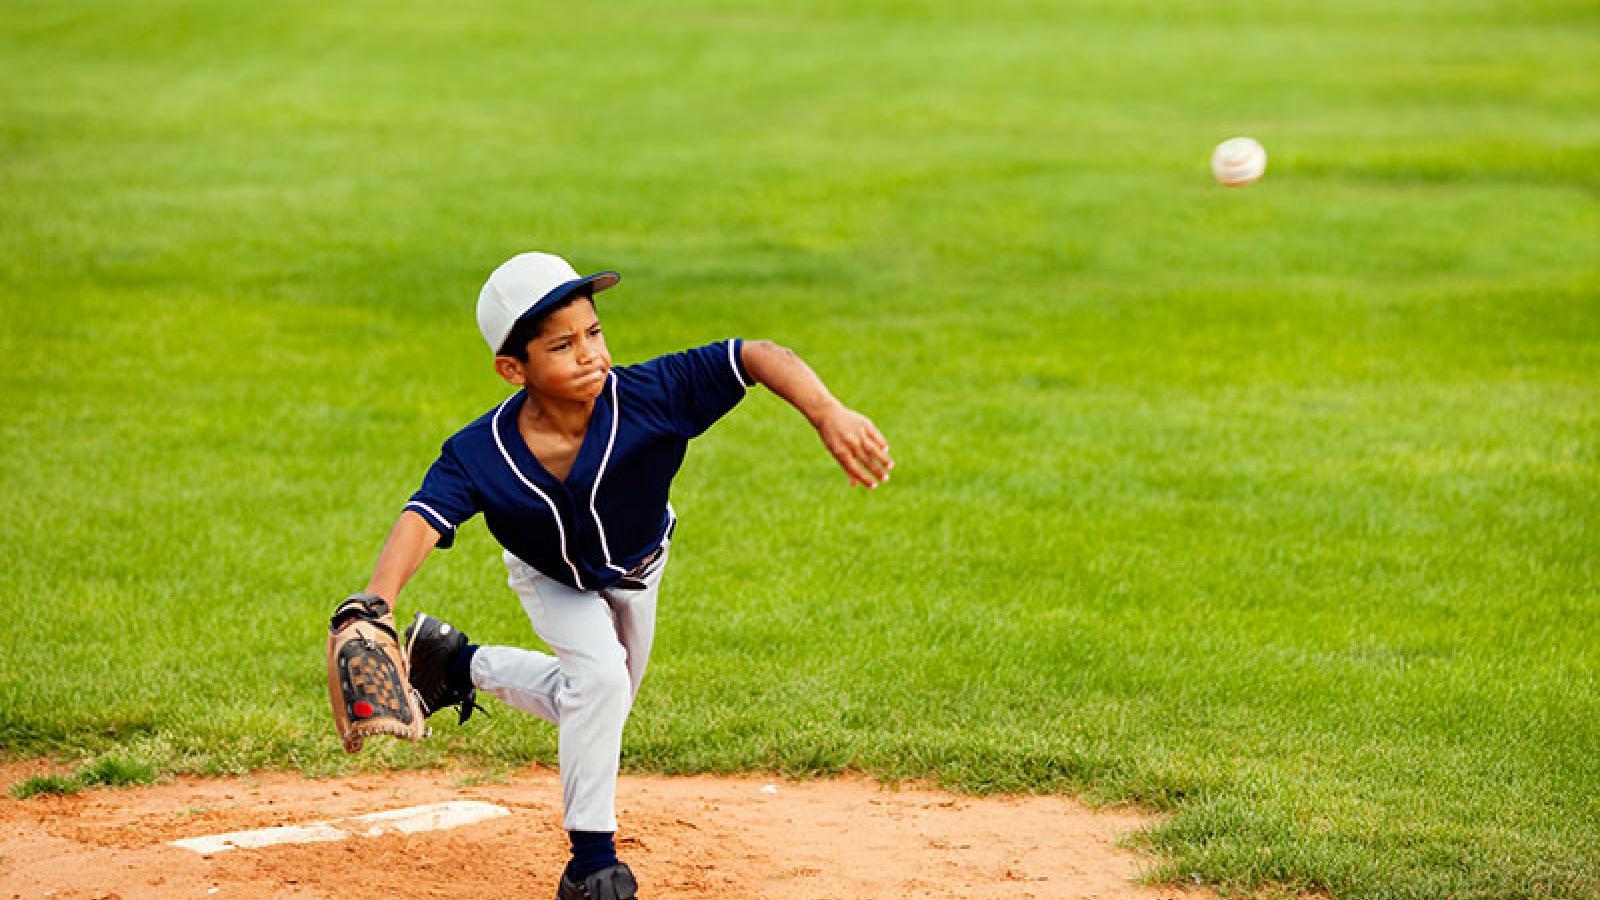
(572, 474)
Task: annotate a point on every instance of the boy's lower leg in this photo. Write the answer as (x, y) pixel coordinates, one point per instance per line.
(591, 852)
(594, 710)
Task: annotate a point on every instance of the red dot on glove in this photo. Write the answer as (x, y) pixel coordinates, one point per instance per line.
(362, 709)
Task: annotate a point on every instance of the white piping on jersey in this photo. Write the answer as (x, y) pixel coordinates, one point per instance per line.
(432, 512)
(736, 366)
(561, 532)
(616, 413)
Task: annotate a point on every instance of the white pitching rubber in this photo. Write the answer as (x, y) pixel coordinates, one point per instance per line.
(412, 819)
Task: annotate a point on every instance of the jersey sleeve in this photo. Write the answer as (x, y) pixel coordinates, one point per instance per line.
(703, 384)
(446, 498)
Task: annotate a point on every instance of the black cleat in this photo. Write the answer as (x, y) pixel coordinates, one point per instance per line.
(615, 883)
(431, 650)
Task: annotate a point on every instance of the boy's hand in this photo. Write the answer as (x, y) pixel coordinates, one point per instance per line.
(856, 443)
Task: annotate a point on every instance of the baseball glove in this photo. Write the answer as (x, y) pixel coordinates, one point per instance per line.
(367, 680)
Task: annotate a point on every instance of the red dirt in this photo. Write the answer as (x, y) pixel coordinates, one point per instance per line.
(699, 837)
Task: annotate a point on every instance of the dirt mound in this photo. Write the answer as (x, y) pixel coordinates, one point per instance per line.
(698, 837)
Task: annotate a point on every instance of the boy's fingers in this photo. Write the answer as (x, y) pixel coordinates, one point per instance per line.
(869, 459)
(878, 453)
(851, 467)
(883, 455)
(856, 463)
(862, 453)
(873, 460)
(880, 445)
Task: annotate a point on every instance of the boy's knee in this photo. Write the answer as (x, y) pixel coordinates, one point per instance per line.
(602, 683)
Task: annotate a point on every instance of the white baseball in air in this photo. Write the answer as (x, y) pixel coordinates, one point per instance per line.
(1238, 161)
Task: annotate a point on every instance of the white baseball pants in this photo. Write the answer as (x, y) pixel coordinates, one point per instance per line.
(601, 640)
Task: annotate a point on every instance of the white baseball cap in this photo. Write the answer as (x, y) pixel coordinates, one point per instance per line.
(526, 285)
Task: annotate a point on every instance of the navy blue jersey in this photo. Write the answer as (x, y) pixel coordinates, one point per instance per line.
(611, 511)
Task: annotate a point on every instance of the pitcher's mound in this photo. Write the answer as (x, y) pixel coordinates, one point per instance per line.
(700, 837)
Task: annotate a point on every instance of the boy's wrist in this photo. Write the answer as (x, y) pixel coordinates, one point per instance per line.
(818, 409)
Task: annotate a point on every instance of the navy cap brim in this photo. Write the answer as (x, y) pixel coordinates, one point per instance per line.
(592, 284)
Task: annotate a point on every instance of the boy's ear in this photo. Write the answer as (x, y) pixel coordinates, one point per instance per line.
(510, 369)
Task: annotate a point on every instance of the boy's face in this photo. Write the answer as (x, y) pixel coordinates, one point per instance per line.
(567, 361)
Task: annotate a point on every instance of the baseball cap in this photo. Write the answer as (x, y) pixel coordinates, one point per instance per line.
(526, 285)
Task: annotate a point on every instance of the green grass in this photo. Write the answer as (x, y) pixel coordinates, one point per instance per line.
(40, 785)
(1273, 509)
(108, 771)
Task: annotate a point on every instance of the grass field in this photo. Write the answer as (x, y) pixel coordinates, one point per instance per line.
(1275, 508)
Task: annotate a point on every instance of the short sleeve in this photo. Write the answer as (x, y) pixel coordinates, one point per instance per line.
(446, 498)
(703, 384)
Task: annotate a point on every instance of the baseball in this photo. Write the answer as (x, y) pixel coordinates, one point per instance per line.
(1238, 161)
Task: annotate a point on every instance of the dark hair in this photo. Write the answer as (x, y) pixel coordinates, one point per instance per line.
(525, 330)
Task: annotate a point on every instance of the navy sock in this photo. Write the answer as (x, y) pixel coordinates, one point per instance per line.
(591, 852)
(461, 667)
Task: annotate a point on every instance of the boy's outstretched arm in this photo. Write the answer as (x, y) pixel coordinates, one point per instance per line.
(409, 543)
(851, 437)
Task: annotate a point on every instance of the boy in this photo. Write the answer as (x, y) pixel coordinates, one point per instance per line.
(572, 474)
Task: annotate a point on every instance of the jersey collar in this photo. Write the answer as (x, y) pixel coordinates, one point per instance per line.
(592, 453)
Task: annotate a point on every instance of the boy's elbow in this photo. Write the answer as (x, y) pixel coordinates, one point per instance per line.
(765, 347)
(760, 356)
